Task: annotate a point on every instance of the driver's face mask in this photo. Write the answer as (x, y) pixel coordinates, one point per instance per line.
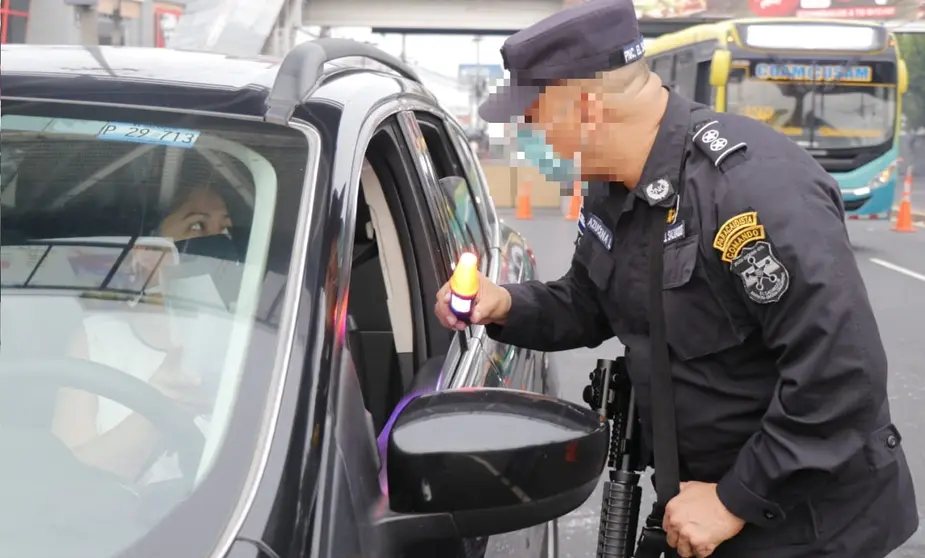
(531, 146)
(161, 266)
(207, 259)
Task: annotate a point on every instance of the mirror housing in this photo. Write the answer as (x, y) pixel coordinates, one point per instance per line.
(902, 81)
(719, 68)
(482, 461)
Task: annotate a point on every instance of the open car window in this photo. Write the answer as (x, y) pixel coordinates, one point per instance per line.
(133, 260)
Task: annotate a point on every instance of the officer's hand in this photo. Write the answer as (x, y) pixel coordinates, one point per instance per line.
(492, 305)
(696, 521)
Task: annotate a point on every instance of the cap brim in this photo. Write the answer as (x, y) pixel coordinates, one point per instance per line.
(508, 102)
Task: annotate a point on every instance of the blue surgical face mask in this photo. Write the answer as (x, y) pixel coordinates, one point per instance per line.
(532, 143)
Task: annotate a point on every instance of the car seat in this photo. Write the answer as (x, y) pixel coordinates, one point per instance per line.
(370, 335)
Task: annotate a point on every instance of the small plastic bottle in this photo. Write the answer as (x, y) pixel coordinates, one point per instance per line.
(464, 286)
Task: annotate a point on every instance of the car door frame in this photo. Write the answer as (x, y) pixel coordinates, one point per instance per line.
(474, 342)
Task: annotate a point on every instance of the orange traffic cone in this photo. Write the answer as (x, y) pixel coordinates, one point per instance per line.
(904, 218)
(575, 203)
(524, 210)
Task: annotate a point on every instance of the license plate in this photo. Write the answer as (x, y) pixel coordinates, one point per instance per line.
(141, 133)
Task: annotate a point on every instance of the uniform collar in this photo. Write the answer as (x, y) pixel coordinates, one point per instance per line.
(659, 183)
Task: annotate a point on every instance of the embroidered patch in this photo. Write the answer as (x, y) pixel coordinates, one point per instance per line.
(764, 276)
(740, 240)
(597, 227)
(732, 226)
(658, 191)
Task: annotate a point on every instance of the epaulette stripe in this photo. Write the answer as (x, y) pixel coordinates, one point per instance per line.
(726, 153)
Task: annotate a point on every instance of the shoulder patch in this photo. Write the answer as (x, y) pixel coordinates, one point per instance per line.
(732, 226)
(763, 275)
(714, 144)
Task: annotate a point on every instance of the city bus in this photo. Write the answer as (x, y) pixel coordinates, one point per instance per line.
(834, 87)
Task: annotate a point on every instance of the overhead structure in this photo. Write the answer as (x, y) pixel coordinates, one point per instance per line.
(249, 27)
(239, 27)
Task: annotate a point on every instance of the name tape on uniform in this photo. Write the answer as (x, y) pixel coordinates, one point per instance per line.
(675, 232)
(740, 240)
(732, 226)
(600, 230)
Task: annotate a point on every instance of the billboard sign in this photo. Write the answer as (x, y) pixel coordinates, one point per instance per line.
(906, 10)
(165, 21)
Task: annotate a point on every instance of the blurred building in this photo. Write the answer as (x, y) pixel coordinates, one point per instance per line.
(70, 21)
(14, 17)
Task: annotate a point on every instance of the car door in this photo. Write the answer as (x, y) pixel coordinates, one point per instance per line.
(463, 224)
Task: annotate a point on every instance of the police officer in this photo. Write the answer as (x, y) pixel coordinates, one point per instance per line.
(779, 374)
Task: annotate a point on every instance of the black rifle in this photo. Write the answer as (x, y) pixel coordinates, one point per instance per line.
(611, 394)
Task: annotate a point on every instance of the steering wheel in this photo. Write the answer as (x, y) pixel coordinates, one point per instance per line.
(174, 422)
(54, 503)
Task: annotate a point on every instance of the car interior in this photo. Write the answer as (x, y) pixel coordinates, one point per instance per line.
(33, 210)
(380, 324)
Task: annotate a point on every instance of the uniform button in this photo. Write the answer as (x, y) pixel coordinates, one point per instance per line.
(892, 441)
(769, 515)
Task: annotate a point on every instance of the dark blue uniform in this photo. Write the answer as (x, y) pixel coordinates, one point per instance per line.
(779, 371)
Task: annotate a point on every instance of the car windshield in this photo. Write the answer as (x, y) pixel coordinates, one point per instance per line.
(827, 106)
(136, 272)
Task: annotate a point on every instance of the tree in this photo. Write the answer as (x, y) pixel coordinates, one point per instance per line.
(912, 48)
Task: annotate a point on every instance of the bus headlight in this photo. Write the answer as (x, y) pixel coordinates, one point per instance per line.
(881, 179)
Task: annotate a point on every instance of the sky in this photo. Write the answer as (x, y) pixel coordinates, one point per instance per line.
(439, 53)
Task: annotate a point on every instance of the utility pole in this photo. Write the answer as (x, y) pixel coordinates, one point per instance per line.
(147, 24)
(89, 24)
(116, 38)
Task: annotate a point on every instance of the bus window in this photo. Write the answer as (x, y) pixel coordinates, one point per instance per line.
(664, 67)
(824, 114)
(685, 75)
(703, 92)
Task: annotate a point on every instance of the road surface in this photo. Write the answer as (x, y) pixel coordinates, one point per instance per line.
(893, 265)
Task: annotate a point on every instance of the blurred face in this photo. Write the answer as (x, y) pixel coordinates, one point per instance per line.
(204, 213)
(557, 113)
(572, 118)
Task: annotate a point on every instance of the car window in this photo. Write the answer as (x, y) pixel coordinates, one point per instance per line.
(478, 187)
(134, 253)
(468, 231)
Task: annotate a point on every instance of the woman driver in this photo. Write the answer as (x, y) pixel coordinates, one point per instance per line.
(102, 433)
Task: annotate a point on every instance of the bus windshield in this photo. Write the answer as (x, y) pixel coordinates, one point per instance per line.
(821, 105)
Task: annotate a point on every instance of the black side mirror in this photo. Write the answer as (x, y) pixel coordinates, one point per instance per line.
(483, 461)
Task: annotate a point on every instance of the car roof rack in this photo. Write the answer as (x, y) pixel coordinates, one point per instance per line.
(303, 66)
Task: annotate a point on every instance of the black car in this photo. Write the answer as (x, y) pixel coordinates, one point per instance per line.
(217, 327)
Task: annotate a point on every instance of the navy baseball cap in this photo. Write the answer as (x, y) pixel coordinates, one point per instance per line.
(577, 42)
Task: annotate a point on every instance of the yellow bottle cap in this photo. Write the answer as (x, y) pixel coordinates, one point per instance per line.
(465, 279)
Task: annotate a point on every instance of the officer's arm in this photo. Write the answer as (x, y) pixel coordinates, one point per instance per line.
(822, 329)
(555, 316)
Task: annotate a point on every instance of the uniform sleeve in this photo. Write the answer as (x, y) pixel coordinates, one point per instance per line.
(555, 316)
(802, 285)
